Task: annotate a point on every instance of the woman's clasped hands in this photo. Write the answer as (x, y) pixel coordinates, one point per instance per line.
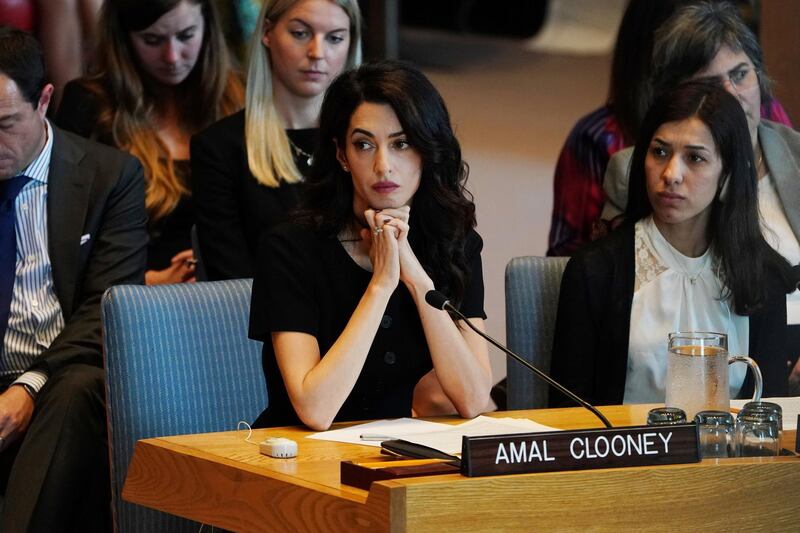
(390, 253)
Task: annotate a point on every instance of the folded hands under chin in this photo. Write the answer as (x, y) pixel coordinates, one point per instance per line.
(390, 251)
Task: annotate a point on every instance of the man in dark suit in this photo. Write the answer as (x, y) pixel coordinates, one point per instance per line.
(72, 223)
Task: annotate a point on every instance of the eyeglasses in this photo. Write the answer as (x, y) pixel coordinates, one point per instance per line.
(741, 79)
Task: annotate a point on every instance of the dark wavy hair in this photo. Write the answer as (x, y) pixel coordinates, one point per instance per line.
(737, 244)
(443, 209)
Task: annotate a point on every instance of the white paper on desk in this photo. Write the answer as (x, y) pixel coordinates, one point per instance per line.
(400, 428)
(448, 440)
(790, 407)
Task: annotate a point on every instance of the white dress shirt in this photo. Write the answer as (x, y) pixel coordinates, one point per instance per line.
(35, 317)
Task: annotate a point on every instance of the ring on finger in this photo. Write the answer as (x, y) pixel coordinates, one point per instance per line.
(377, 230)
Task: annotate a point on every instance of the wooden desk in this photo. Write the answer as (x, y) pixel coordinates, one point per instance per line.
(219, 479)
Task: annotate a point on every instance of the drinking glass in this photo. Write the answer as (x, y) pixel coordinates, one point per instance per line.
(770, 410)
(757, 434)
(716, 432)
(666, 416)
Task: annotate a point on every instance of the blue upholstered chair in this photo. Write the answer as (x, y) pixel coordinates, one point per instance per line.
(178, 361)
(532, 287)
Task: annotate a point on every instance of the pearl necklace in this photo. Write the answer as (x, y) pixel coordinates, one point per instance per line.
(299, 152)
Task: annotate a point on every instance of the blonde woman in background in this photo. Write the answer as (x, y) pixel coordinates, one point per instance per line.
(246, 168)
(163, 74)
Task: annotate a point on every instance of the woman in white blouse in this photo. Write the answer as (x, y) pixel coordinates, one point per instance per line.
(708, 41)
(691, 256)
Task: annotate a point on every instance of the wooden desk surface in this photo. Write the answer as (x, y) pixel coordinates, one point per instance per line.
(219, 479)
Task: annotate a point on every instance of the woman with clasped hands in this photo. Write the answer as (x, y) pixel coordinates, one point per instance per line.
(690, 257)
(339, 294)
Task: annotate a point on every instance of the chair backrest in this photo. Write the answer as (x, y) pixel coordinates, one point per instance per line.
(178, 361)
(532, 287)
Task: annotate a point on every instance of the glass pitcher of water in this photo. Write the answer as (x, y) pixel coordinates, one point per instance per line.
(697, 372)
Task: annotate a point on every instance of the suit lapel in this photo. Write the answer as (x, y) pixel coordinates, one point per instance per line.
(785, 173)
(67, 203)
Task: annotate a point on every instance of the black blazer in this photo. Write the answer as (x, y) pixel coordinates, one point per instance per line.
(590, 343)
(232, 209)
(94, 193)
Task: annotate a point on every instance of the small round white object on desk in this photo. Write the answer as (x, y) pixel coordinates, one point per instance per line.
(278, 447)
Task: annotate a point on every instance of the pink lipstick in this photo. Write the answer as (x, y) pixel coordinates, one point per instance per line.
(385, 187)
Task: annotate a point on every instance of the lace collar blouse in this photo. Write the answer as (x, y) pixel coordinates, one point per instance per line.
(673, 292)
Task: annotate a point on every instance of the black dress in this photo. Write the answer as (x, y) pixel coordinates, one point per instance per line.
(79, 113)
(232, 209)
(171, 233)
(307, 283)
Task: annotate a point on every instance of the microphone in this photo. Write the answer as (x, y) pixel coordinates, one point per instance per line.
(438, 300)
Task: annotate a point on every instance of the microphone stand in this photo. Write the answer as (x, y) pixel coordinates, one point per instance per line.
(574, 397)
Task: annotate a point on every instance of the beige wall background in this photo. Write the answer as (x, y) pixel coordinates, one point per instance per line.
(512, 109)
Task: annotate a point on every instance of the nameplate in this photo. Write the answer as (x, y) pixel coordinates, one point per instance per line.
(579, 450)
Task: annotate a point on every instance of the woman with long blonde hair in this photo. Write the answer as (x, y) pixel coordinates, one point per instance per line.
(163, 74)
(246, 168)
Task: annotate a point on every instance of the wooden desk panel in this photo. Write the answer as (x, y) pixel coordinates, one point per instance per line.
(219, 479)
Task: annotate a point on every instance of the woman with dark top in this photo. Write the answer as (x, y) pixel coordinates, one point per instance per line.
(339, 295)
(163, 74)
(690, 257)
(246, 168)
